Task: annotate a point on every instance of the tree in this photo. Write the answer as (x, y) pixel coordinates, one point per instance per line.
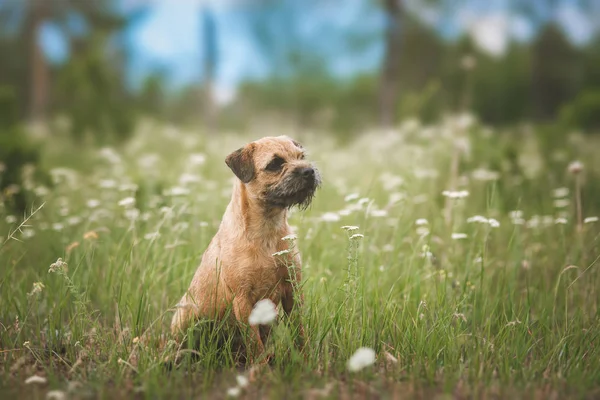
(388, 92)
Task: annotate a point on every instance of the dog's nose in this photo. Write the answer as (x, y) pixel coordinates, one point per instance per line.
(307, 172)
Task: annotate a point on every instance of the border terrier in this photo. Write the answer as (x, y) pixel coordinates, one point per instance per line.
(238, 268)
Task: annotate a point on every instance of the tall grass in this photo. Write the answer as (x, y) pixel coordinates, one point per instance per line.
(489, 289)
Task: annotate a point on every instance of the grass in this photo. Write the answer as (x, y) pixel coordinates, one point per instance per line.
(451, 307)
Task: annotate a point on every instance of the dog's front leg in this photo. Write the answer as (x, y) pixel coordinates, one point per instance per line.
(242, 309)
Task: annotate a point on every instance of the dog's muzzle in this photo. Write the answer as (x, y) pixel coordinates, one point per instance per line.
(297, 188)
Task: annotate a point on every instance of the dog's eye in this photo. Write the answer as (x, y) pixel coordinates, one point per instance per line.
(275, 164)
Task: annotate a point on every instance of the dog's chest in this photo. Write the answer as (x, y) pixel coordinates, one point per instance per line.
(268, 272)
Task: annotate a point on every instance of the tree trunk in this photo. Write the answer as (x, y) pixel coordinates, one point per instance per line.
(38, 100)
(210, 62)
(388, 93)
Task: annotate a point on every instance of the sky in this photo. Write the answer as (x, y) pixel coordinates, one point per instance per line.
(170, 37)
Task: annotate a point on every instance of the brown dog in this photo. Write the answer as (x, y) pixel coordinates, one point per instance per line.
(238, 268)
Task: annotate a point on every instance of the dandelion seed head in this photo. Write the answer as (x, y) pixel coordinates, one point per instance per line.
(575, 167)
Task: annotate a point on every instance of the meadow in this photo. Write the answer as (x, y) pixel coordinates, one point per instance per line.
(466, 257)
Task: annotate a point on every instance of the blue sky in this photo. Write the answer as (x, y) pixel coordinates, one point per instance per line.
(170, 37)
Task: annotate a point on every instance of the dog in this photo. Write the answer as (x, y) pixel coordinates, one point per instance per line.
(239, 267)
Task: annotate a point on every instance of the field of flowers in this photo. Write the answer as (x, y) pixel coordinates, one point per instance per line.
(451, 260)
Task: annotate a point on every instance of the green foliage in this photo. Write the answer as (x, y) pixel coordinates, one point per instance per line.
(93, 97)
(16, 152)
(510, 310)
(583, 112)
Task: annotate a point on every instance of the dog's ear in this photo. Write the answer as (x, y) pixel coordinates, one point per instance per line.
(241, 163)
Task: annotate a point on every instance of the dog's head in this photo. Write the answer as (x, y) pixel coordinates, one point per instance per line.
(275, 171)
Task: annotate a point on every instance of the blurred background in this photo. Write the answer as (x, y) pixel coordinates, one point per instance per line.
(99, 65)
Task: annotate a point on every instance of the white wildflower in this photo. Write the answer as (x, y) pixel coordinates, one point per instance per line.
(459, 236)
(379, 213)
(132, 214)
(422, 231)
(263, 313)
(242, 381)
(282, 253)
(478, 218)
(197, 159)
(107, 184)
(37, 288)
(455, 194)
(110, 155)
(485, 175)
(291, 237)
(11, 219)
(350, 228)
(74, 220)
(560, 220)
(562, 203)
(36, 380)
(127, 202)
(93, 203)
(421, 221)
(387, 248)
(363, 357)
(330, 217)
(516, 214)
(493, 223)
(234, 392)
(177, 191)
(590, 220)
(396, 197)
(58, 266)
(56, 395)
(351, 197)
(152, 236)
(357, 236)
(561, 192)
(27, 233)
(186, 179)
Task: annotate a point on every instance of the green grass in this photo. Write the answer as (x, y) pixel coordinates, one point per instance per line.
(508, 311)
